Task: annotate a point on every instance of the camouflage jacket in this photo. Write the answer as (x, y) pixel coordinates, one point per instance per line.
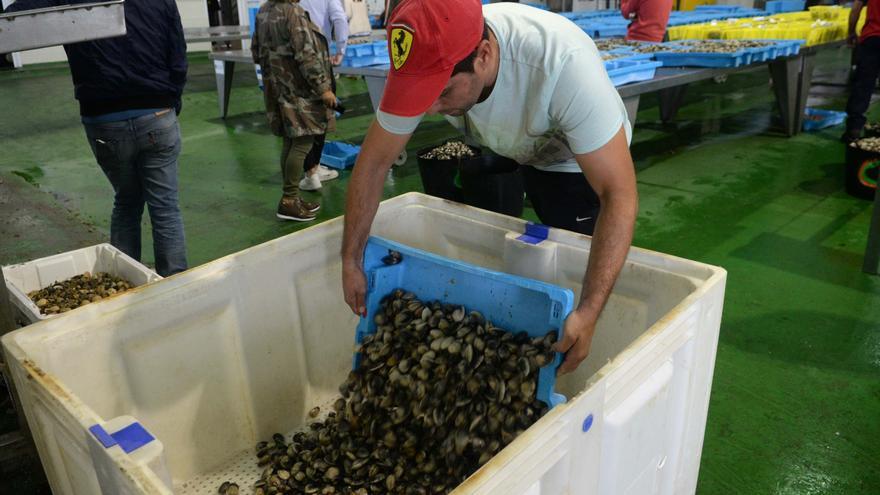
(295, 62)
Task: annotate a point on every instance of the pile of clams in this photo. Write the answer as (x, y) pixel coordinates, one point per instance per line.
(438, 392)
(61, 297)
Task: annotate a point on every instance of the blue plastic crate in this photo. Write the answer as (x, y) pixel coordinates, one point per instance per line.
(626, 71)
(717, 60)
(610, 30)
(717, 8)
(513, 303)
(788, 48)
(339, 155)
(779, 6)
(375, 60)
(822, 119)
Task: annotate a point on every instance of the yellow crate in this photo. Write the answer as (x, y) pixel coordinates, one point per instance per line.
(793, 16)
(828, 12)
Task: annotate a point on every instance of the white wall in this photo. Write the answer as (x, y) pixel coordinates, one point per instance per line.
(193, 13)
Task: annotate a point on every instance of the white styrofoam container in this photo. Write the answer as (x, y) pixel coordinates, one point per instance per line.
(213, 359)
(37, 274)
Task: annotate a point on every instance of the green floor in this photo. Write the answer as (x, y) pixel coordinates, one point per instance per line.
(795, 405)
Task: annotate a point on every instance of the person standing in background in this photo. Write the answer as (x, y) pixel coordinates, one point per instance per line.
(648, 19)
(295, 61)
(867, 55)
(129, 89)
(358, 17)
(330, 17)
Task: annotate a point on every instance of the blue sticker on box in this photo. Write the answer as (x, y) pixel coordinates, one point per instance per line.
(535, 233)
(129, 439)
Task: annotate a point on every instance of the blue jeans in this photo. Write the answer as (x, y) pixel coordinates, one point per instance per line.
(139, 157)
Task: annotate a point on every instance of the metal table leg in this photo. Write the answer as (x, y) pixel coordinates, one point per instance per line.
(785, 73)
(224, 72)
(670, 101)
(376, 86)
(872, 251)
(632, 108)
(805, 80)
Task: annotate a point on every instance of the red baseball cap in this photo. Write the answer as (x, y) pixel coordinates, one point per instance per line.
(426, 38)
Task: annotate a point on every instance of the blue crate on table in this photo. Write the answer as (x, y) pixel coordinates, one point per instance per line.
(788, 48)
(376, 60)
(610, 30)
(714, 60)
(780, 6)
(816, 118)
(339, 155)
(366, 55)
(516, 304)
(630, 70)
(717, 8)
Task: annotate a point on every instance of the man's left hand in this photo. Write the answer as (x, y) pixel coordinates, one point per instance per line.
(576, 339)
(336, 59)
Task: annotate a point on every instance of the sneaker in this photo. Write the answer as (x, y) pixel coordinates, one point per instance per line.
(293, 209)
(326, 173)
(310, 183)
(311, 207)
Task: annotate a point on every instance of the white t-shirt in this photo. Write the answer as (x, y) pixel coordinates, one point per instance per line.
(552, 98)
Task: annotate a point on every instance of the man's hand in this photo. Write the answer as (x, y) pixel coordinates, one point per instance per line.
(336, 59)
(852, 40)
(329, 99)
(576, 339)
(354, 288)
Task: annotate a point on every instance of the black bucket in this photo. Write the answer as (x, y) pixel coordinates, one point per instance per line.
(862, 170)
(493, 183)
(438, 176)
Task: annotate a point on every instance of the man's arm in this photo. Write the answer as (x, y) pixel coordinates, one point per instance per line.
(378, 152)
(854, 21)
(177, 62)
(629, 8)
(340, 29)
(610, 172)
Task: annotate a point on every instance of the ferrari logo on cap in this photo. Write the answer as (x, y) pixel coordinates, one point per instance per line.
(401, 43)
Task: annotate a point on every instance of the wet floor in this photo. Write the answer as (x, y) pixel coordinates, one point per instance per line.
(796, 394)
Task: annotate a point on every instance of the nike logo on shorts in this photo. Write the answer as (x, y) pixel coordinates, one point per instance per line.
(579, 219)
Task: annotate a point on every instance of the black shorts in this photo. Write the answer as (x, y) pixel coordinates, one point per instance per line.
(563, 200)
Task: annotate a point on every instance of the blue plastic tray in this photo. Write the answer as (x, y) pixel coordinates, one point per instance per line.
(513, 303)
(717, 8)
(735, 59)
(827, 118)
(339, 155)
(779, 6)
(610, 30)
(626, 71)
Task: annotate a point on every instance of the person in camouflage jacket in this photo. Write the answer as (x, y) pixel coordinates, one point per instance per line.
(297, 77)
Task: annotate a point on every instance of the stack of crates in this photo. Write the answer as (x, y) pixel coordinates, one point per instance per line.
(366, 55)
(815, 27)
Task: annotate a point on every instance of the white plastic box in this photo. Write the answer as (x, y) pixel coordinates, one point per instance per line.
(214, 359)
(37, 274)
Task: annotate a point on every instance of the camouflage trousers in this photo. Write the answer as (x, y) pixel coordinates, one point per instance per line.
(298, 154)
